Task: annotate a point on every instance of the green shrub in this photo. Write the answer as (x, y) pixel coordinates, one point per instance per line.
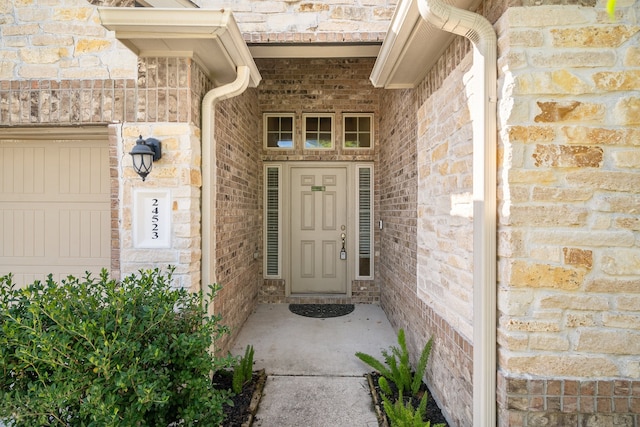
(98, 352)
(243, 370)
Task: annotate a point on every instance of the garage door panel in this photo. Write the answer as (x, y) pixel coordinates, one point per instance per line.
(80, 172)
(22, 233)
(23, 170)
(55, 212)
(84, 233)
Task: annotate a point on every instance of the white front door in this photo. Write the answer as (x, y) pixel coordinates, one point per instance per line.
(318, 232)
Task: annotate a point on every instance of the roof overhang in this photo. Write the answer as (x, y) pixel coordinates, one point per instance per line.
(210, 37)
(411, 48)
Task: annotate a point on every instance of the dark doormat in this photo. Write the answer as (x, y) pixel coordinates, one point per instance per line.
(321, 311)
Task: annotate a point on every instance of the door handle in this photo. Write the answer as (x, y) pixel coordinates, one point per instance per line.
(343, 251)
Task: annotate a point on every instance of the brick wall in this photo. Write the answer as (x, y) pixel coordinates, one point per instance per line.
(238, 228)
(569, 300)
(420, 285)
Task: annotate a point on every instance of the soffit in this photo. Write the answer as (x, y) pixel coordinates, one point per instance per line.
(411, 48)
(315, 50)
(210, 37)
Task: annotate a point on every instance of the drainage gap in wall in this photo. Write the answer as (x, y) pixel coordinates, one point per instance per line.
(321, 311)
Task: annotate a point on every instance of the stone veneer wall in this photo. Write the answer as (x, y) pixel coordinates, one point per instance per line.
(569, 269)
(60, 67)
(319, 85)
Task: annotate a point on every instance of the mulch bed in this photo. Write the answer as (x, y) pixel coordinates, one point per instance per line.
(245, 404)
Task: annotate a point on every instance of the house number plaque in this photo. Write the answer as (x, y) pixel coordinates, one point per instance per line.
(152, 219)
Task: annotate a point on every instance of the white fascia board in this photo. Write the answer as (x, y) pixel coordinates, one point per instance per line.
(410, 49)
(211, 37)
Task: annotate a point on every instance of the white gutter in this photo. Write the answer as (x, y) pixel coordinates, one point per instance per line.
(235, 88)
(482, 105)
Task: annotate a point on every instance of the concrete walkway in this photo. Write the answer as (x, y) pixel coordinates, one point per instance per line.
(314, 378)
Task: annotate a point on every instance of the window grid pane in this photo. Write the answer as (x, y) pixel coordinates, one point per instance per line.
(318, 132)
(357, 132)
(279, 132)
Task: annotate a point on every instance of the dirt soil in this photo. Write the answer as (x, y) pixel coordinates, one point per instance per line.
(242, 411)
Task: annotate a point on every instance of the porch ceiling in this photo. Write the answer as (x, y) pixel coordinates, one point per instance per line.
(411, 48)
(210, 37)
(315, 50)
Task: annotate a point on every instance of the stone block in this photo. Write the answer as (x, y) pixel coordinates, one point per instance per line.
(551, 83)
(548, 194)
(532, 275)
(621, 261)
(612, 285)
(628, 302)
(573, 59)
(42, 55)
(578, 257)
(530, 134)
(92, 45)
(72, 14)
(622, 321)
(548, 342)
(312, 7)
(546, 16)
(525, 38)
(608, 341)
(562, 365)
(627, 111)
(564, 301)
(627, 159)
(548, 216)
(20, 30)
(632, 57)
(601, 136)
(617, 80)
(569, 111)
(567, 156)
(592, 36)
(612, 181)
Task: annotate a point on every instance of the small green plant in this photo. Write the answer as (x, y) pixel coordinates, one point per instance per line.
(243, 370)
(403, 414)
(397, 366)
(100, 352)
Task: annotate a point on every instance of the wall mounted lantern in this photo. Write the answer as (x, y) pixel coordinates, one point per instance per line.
(144, 153)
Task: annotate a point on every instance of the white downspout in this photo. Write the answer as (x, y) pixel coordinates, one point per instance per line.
(481, 33)
(235, 88)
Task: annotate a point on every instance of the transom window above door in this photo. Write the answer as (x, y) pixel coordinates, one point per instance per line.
(279, 131)
(358, 131)
(318, 131)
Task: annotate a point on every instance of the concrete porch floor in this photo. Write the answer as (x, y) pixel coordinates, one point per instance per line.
(314, 378)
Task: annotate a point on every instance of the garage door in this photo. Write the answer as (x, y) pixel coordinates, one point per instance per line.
(54, 208)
